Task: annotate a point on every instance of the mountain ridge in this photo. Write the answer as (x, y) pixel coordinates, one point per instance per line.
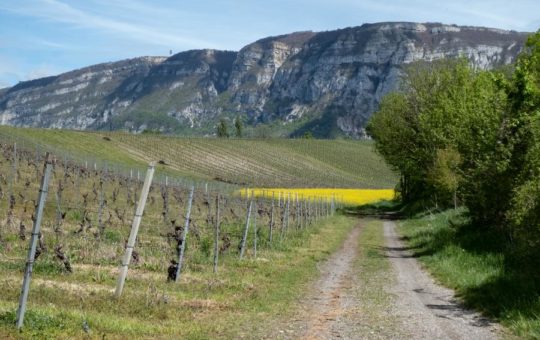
(328, 82)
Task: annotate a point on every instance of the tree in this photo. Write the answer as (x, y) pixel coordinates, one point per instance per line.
(445, 173)
(455, 129)
(238, 127)
(524, 137)
(504, 176)
(223, 129)
(307, 135)
(444, 105)
(395, 129)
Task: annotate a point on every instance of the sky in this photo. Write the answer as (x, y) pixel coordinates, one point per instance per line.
(39, 38)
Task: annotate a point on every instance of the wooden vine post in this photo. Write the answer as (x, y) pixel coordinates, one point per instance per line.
(216, 235)
(134, 230)
(255, 230)
(76, 184)
(15, 173)
(306, 212)
(101, 197)
(58, 208)
(246, 228)
(271, 219)
(288, 211)
(182, 244)
(37, 162)
(34, 239)
(301, 206)
(208, 205)
(315, 210)
(284, 218)
(328, 210)
(312, 211)
(297, 212)
(165, 197)
(11, 183)
(313, 207)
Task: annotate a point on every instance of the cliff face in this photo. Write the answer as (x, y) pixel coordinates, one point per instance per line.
(342, 75)
(327, 82)
(77, 99)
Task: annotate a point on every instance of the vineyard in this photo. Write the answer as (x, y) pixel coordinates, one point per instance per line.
(203, 236)
(244, 162)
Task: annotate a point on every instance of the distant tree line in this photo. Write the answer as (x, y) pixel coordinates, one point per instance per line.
(222, 130)
(462, 136)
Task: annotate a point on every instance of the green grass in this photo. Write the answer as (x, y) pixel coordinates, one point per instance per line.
(474, 261)
(246, 162)
(240, 301)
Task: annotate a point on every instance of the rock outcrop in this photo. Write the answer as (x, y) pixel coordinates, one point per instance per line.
(326, 82)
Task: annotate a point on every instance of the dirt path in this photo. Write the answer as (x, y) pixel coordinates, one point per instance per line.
(427, 309)
(332, 298)
(402, 302)
(321, 315)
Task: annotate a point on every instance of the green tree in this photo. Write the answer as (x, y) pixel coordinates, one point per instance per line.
(307, 135)
(444, 105)
(455, 129)
(445, 173)
(523, 136)
(222, 129)
(503, 175)
(395, 130)
(239, 127)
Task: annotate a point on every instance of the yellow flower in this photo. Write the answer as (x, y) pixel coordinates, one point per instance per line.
(345, 196)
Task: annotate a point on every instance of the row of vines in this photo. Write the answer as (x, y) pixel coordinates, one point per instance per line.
(89, 210)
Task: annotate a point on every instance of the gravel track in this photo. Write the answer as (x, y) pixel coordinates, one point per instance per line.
(415, 307)
(427, 309)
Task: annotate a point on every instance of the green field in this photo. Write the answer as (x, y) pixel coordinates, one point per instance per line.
(245, 162)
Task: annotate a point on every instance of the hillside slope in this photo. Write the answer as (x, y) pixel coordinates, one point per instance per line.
(245, 162)
(326, 82)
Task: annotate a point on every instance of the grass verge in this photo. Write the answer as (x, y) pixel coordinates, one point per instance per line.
(240, 301)
(486, 274)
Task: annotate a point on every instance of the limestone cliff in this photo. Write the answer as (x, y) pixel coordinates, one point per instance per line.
(326, 82)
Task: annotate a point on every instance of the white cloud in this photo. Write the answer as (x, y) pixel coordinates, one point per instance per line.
(49, 43)
(10, 71)
(42, 71)
(57, 11)
(490, 13)
(491, 19)
(13, 71)
(4, 83)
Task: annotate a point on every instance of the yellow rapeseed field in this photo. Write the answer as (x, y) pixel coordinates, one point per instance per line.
(346, 196)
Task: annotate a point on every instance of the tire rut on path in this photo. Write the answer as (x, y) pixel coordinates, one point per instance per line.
(322, 310)
(427, 309)
(333, 291)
